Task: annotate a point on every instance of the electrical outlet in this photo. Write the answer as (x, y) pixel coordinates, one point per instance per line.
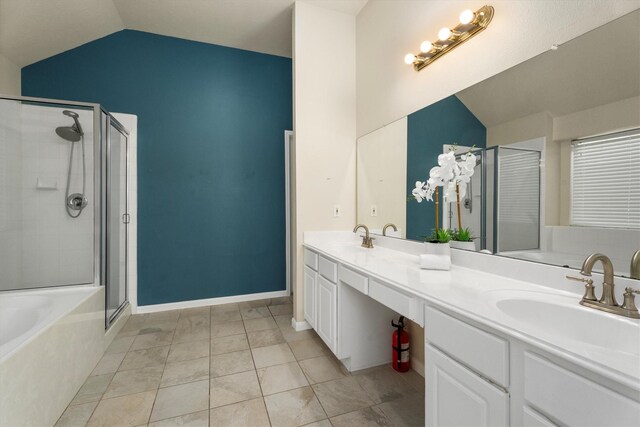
(336, 211)
(374, 210)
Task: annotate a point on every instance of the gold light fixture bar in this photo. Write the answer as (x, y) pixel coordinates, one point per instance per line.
(471, 23)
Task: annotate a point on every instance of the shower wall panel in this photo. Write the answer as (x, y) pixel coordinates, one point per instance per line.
(40, 245)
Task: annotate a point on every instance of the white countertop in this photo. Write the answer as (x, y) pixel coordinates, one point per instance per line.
(473, 293)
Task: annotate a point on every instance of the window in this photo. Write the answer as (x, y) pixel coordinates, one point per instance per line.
(605, 181)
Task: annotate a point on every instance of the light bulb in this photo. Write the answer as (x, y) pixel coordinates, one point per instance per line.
(466, 16)
(444, 34)
(409, 58)
(426, 46)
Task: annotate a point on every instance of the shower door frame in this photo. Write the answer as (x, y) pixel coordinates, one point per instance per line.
(97, 176)
(107, 120)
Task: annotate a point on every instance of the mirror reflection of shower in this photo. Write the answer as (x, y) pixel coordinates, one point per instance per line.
(76, 202)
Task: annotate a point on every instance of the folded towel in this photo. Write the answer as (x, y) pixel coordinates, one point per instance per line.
(435, 262)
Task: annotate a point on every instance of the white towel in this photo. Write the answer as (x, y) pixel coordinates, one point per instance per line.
(435, 262)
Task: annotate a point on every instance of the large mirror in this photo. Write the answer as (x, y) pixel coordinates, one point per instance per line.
(556, 141)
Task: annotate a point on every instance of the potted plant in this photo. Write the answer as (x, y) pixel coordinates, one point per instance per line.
(461, 239)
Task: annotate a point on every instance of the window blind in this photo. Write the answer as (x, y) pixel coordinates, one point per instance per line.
(605, 181)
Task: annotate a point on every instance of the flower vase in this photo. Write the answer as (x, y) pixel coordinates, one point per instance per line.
(437, 256)
(468, 246)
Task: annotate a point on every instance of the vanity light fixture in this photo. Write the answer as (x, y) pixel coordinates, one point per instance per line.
(471, 23)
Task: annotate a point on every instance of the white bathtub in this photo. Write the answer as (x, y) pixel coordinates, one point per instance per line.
(50, 341)
(24, 315)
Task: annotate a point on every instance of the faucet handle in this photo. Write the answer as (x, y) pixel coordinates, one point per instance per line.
(629, 303)
(589, 293)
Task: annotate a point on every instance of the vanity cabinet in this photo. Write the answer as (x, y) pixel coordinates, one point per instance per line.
(310, 285)
(457, 396)
(327, 319)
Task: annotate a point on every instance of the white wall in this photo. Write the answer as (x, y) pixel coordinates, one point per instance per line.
(324, 127)
(382, 178)
(388, 89)
(9, 77)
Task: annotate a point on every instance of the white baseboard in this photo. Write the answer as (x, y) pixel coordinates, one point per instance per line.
(300, 326)
(209, 301)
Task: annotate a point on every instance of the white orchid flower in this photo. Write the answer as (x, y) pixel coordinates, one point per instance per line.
(449, 194)
(419, 192)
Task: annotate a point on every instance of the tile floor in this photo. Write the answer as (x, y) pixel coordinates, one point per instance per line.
(236, 365)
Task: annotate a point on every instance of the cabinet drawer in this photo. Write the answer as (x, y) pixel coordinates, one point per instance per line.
(396, 301)
(531, 418)
(311, 259)
(575, 400)
(328, 269)
(481, 351)
(355, 280)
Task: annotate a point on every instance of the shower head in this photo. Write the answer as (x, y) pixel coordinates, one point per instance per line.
(76, 126)
(68, 133)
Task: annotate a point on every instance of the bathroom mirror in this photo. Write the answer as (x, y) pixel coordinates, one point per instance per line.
(557, 146)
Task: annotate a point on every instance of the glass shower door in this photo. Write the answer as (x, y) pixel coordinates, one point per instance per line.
(117, 219)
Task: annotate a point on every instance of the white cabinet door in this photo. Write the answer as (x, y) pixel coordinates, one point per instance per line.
(310, 280)
(326, 325)
(458, 397)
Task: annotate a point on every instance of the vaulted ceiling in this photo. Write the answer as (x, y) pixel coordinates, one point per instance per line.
(32, 30)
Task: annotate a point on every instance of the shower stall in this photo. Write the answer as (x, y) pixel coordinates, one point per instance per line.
(502, 201)
(63, 198)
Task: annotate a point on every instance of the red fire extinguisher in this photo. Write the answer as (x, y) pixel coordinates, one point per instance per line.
(400, 345)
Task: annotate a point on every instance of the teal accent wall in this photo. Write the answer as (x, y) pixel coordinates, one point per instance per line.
(211, 122)
(447, 121)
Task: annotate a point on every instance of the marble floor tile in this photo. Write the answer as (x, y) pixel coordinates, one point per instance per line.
(265, 338)
(294, 408)
(226, 329)
(92, 389)
(228, 344)
(195, 312)
(341, 396)
(321, 369)
(158, 326)
(155, 339)
(278, 378)
(231, 363)
(163, 316)
(272, 355)
(196, 419)
(192, 328)
(131, 410)
(225, 316)
(233, 389)
(384, 385)
(321, 423)
(185, 372)
(307, 349)
(260, 324)
(180, 400)
(405, 412)
(255, 313)
(225, 307)
(188, 351)
(253, 304)
(283, 321)
(76, 415)
(135, 381)
(248, 413)
(280, 300)
(415, 380)
(120, 344)
(282, 309)
(367, 417)
(146, 358)
(108, 364)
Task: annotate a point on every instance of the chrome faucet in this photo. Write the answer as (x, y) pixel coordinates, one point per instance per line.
(607, 301)
(384, 229)
(634, 271)
(367, 241)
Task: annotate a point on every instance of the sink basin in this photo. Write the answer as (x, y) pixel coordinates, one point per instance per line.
(562, 320)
